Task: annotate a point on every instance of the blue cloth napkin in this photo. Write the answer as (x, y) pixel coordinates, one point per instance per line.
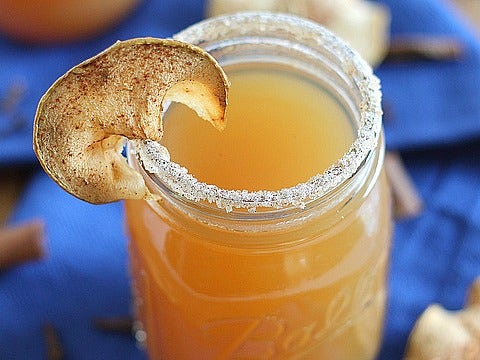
(435, 256)
(431, 103)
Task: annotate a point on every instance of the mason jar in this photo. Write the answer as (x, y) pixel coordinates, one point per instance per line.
(297, 272)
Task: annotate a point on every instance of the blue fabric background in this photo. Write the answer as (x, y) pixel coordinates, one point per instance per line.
(435, 123)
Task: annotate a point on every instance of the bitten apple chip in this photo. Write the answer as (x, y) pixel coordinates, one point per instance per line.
(83, 120)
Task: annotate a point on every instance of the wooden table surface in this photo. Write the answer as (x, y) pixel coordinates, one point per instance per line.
(12, 180)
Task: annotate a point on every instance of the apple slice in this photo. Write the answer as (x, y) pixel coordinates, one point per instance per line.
(83, 120)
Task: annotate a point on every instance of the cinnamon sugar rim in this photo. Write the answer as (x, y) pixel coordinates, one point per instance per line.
(177, 178)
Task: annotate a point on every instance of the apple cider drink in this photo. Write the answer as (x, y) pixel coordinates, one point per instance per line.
(269, 239)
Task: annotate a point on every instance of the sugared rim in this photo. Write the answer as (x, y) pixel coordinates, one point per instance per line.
(184, 184)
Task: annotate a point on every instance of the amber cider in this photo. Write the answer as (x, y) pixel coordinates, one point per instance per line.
(281, 130)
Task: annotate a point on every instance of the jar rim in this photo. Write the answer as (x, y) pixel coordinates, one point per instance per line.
(177, 178)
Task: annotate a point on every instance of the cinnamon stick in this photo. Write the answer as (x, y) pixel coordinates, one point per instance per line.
(114, 324)
(424, 47)
(54, 348)
(21, 243)
(406, 200)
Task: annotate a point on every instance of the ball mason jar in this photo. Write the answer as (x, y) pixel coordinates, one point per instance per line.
(296, 273)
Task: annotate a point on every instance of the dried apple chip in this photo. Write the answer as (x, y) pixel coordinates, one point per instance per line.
(83, 120)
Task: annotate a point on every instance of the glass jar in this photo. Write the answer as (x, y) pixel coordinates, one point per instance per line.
(297, 273)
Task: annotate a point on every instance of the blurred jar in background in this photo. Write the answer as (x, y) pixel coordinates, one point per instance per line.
(60, 21)
(365, 25)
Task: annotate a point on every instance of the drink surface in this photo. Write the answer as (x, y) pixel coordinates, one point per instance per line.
(310, 291)
(281, 130)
